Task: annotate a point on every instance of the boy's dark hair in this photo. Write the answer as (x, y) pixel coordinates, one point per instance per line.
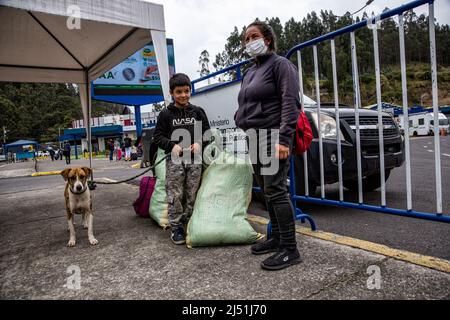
(179, 80)
(267, 33)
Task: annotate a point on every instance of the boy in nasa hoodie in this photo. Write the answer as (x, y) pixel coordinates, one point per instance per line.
(179, 132)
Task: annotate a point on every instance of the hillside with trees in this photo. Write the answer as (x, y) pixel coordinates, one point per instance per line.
(40, 112)
(314, 25)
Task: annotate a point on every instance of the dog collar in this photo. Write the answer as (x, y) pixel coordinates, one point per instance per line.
(70, 189)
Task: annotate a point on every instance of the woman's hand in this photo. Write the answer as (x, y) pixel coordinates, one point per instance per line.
(177, 150)
(281, 152)
(195, 148)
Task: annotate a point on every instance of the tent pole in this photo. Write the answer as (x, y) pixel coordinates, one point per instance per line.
(89, 132)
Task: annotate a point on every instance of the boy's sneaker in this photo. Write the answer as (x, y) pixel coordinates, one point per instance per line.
(282, 259)
(178, 236)
(270, 245)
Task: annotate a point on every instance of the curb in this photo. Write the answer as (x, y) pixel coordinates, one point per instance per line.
(411, 257)
(45, 173)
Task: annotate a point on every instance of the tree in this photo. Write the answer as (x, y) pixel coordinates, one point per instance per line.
(233, 53)
(314, 25)
(37, 111)
(203, 61)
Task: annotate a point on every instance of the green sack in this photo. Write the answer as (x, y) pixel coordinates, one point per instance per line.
(158, 202)
(220, 210)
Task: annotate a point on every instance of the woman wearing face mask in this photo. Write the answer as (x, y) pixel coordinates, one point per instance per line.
(269, 99)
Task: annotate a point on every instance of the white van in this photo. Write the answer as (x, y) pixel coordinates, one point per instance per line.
(422, 124)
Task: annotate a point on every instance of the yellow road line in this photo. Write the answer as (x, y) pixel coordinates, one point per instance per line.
(415, 258)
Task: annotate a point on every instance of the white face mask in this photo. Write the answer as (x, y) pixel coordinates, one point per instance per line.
(256, 48)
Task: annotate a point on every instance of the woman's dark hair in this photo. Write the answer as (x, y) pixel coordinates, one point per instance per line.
(267, 33)
(179, 80)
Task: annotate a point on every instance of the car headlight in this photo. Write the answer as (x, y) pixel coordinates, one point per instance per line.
(328, 127)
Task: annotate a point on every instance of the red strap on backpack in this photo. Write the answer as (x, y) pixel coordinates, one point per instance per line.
(303, 134)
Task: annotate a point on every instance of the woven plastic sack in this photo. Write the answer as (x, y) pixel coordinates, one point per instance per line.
(220, 210)
(158, 203)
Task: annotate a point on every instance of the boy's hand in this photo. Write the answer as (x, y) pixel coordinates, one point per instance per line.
(195, 148)
(177, 150)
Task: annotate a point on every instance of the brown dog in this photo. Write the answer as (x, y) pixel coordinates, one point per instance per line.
(78, 201)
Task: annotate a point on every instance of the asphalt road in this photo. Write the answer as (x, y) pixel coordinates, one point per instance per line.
(420, 236)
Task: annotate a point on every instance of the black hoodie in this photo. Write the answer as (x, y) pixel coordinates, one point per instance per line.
(173, 118)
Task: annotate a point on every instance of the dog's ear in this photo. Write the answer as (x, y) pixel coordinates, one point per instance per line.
(65, 173)
(87, 170)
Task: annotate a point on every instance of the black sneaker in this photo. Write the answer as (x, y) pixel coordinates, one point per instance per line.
(270, 245)
(282, 259)
(178, 236)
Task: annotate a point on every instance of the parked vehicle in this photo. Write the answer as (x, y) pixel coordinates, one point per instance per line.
(370, 150)
(42, 153)
(422, 124)
(221, 116)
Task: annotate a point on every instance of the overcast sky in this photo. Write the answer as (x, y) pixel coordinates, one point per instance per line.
(196, 25)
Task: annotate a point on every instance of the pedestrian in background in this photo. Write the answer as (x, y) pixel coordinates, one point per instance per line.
(111, 149)
(10, 157)
(67, 152)
(116, 149)
(127, 145)
(52, 153)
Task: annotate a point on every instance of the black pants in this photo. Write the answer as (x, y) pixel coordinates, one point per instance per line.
(274, 188)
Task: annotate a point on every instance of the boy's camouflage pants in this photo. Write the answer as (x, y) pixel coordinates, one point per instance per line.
(182, 183)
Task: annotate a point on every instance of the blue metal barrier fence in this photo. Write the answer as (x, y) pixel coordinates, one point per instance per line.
(437, 216)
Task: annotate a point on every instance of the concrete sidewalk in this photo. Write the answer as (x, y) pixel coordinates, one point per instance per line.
(17, 169)
(135, 259)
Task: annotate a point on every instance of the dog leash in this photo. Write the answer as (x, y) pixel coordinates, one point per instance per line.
(93, 184)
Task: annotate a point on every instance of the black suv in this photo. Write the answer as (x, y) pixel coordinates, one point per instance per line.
(368, 121)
